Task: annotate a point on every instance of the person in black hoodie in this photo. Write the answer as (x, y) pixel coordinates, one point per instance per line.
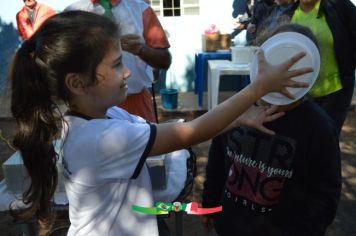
(283, 184)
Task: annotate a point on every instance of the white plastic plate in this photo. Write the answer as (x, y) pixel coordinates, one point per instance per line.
(277, 50)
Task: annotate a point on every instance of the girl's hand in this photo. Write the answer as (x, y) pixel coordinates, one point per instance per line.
(276, 78)
(256, 116)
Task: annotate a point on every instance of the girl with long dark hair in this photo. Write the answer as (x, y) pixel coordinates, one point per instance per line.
(76, 57)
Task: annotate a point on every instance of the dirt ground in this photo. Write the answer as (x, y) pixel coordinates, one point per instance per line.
(345, 221)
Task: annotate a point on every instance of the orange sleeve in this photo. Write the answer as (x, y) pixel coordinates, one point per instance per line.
(20, 28)
(153, 32)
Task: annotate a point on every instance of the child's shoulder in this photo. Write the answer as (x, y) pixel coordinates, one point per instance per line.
(101, 126)
(121, 114)
(104, 135)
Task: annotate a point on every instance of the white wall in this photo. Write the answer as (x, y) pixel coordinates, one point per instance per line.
(185, 38)
(217, 12)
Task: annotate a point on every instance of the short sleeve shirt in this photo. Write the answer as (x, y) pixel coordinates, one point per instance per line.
(133, 17)
(105, 174)
(329, 80)
(137, 17)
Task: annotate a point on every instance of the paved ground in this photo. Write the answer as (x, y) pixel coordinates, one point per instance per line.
(344, 224)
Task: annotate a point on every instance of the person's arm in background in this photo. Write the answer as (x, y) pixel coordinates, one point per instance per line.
(255, 18)
(260, 11)
(154, 51)
(348, 11)
(240, 13)
(20, 27)
(239, 7)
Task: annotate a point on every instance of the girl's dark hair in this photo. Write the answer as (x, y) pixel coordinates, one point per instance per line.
(287, 27)
(69, 42)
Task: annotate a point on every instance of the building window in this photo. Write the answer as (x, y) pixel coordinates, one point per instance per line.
(169, 8)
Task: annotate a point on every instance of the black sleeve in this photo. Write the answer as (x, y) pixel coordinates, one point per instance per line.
(239, 7)
(323, 172)
(257, 12)
(346, 14)
(349, 12)
(215, 173)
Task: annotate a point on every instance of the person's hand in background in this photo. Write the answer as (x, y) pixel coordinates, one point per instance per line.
(238, 25)
(132, 43)
(155, 57)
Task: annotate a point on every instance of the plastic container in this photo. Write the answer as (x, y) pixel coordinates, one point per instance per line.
(242, 55)
(169, 98)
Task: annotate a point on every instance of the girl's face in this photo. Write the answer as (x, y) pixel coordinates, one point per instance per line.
(111, 87)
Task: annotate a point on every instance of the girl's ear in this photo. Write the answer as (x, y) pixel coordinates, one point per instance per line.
(75, 83)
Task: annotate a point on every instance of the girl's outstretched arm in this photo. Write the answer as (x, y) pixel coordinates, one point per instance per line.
(173, 136)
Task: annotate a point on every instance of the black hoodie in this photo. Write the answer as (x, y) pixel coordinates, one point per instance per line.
(287, 184)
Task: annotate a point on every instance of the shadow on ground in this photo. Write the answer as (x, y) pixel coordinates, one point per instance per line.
(345, 221)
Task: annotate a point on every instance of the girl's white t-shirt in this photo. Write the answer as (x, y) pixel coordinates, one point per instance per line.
(105, 174)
